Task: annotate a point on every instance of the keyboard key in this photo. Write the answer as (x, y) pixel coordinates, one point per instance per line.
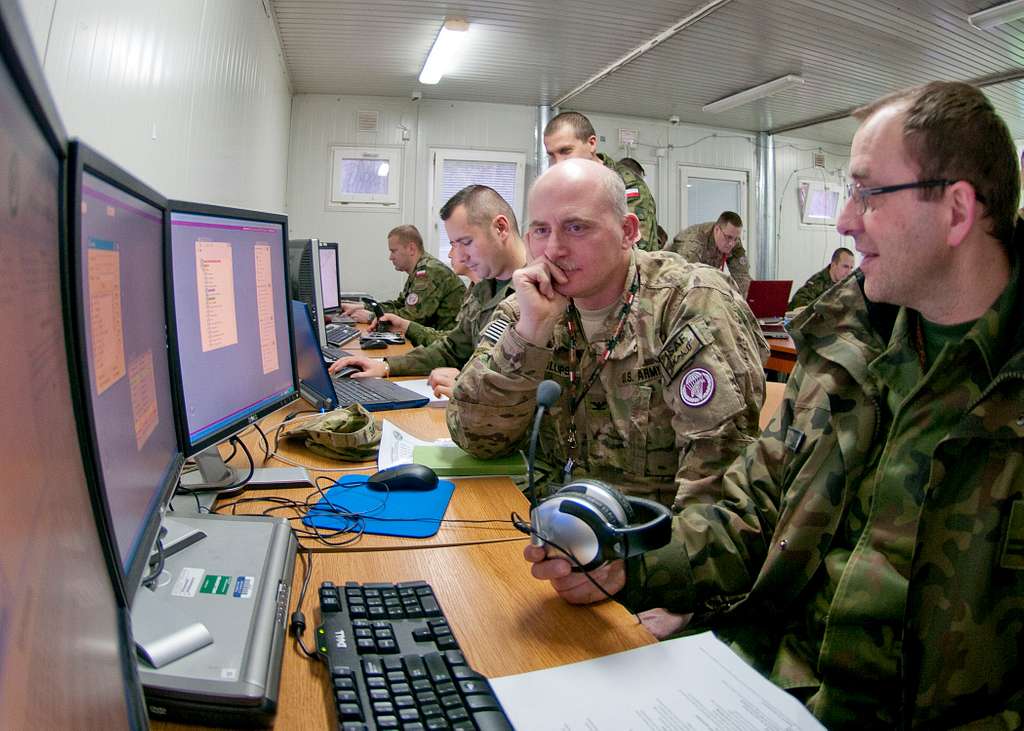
(482, 702)
(491, 721)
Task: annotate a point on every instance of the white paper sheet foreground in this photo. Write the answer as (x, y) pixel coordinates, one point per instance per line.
(419, 385)
(396, 445)
(693, 682)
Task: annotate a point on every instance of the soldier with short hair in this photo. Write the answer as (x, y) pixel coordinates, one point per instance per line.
(571, 135)
(718, 244)
(660, 361)
(837, 270)
(432, 293)
(867, 552)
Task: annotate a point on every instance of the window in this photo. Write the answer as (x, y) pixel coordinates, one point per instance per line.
(455, 169)
(366, 177)
(706, 192)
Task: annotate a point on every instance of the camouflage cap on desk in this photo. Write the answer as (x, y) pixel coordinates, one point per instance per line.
(348, 434)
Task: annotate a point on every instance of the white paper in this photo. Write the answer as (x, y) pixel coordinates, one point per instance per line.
(419, 385)
(693, 682)
(396, 445)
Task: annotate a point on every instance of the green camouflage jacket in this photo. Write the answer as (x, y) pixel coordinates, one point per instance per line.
(748, 544)
(431, 296)
(697, 244)
(419, 334)
(454, 348)
(640, 202)
(679, 396)
(813, 289)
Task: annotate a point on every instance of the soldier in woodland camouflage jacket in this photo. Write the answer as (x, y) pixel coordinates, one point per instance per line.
(867, 553)
(840, 266)
(679, 395)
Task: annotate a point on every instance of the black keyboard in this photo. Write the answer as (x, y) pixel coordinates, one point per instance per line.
(338, 335)
(332, 354)
(394, 662)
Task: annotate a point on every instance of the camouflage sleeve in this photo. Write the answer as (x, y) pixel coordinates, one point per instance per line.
(687, 244)
(451, 350)
(494, 397)
(420, 334)
(804, 296)
(432, 297)
(641, 203)
(739, 269)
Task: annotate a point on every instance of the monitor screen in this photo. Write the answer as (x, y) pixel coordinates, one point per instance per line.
(232, 320)
(62, 626)
(329, 276)
(304, 279)
(314, 380)
(117, 240)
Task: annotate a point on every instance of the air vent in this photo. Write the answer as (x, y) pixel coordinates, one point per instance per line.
(369, 121)
(819, 159)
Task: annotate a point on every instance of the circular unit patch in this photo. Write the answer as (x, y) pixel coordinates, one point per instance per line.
(696, 387)
(412, 299)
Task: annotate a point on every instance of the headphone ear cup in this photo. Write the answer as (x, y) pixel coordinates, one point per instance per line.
(607, 499)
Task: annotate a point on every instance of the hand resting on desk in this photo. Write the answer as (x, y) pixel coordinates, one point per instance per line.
(368, 367)
(574, 588)
(442, 380)
(392, 324)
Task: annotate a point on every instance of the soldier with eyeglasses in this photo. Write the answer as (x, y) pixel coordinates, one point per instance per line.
(718, 244)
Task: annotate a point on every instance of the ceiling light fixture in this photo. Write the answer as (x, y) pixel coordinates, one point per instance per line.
(997, 15)
(445, 50)
(757, 92)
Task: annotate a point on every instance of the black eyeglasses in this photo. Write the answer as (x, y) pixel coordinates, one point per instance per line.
(861, 195)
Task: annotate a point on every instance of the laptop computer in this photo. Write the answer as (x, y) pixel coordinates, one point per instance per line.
(768, 298)
(328, 392)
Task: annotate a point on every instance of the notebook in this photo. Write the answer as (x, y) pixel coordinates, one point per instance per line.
(445, 460)
(327, 392)
(768, 298)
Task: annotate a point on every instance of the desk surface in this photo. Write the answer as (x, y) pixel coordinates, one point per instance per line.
(783, 355)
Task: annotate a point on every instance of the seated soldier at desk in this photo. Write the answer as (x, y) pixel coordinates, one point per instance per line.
(659, 360)
(838, 268)
(483, 229)
(867, 552)
(432, 293)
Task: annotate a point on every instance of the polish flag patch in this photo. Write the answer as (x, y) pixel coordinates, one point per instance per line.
(632, 193)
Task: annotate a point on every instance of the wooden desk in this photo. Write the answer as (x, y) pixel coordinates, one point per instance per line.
(783, 355)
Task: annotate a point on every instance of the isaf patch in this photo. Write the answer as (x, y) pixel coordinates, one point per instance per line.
(495, 329)
(412, 299)
(682, 346)
(696, 387)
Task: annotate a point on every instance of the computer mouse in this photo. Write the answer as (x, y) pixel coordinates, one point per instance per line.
(371, 343)
(404, 477)
(347, 371)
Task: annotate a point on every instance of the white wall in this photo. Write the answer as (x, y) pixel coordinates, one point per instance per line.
(803, 250)
(320, 121)
(191, 96)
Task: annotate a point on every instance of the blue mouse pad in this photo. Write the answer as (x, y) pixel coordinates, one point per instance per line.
(407, 513)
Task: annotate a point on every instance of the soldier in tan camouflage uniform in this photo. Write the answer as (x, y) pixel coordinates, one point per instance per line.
(840, 266)
(680, 391)
(867, 553)
(483, 229)
(571, 135)
(432, 293)
(717, 244)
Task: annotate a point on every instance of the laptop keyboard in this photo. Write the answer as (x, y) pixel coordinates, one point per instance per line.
(332, 354)
(338, 335)
(367, 391)
(395, 663)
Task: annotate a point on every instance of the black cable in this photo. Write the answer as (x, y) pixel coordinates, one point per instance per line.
(298, 619)
(266, 444)
(226, 489)
(149, 580)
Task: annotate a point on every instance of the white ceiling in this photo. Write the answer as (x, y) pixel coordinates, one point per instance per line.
(535, 51)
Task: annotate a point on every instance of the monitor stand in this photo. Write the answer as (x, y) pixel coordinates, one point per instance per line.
(214, 472)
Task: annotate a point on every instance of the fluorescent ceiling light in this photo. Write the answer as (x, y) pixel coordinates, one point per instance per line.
(997, 15)
(445, 50)
(757, 92)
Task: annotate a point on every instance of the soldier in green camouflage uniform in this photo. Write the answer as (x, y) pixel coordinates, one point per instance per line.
(484, 229)
(867, 553)
(840, 266)
(432, 293)
(571, 135)
(419, 334)
(679, 395)
(716, 243)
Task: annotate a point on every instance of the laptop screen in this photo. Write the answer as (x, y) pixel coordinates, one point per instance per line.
(313, 375)
(768, 297)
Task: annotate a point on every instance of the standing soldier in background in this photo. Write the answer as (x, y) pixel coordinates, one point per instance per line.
(717, 244)
(569, 135)
(432, 293)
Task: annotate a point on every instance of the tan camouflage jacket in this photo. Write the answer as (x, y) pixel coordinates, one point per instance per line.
(747, 544)
(679, 396)
(419, 334)
(640, 202)
(431, 296)
(812, 289)
(454, 348)
(697, 244)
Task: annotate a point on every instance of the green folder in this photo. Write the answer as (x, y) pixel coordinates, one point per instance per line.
(448, 461)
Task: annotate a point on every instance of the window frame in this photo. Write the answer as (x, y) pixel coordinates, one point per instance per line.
(390, 201)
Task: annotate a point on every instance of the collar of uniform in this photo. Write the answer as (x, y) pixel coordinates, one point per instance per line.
(421, 262)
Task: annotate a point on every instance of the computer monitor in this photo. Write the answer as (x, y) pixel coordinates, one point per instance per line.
(304, 281)
(232, 335)
(314, 380)
(116, 231)
(329, 285)
(66, 657)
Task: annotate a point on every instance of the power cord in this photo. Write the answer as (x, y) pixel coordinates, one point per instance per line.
(297, 624)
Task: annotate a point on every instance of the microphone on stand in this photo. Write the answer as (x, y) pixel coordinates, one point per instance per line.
(547, 395)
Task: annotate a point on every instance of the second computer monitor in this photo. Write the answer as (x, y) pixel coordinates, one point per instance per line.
(232, 319)
(329, 285)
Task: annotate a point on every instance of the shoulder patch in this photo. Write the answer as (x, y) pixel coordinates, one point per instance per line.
(696, 387)
(681, 348)
(495, 329)
(412, 299)
(421, 272)
(632, 193)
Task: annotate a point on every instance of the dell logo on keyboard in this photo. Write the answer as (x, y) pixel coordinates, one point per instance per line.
(339, 640)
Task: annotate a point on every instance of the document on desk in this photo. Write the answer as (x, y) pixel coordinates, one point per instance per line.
(420, 386)
(693, 682)
(396, 446)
